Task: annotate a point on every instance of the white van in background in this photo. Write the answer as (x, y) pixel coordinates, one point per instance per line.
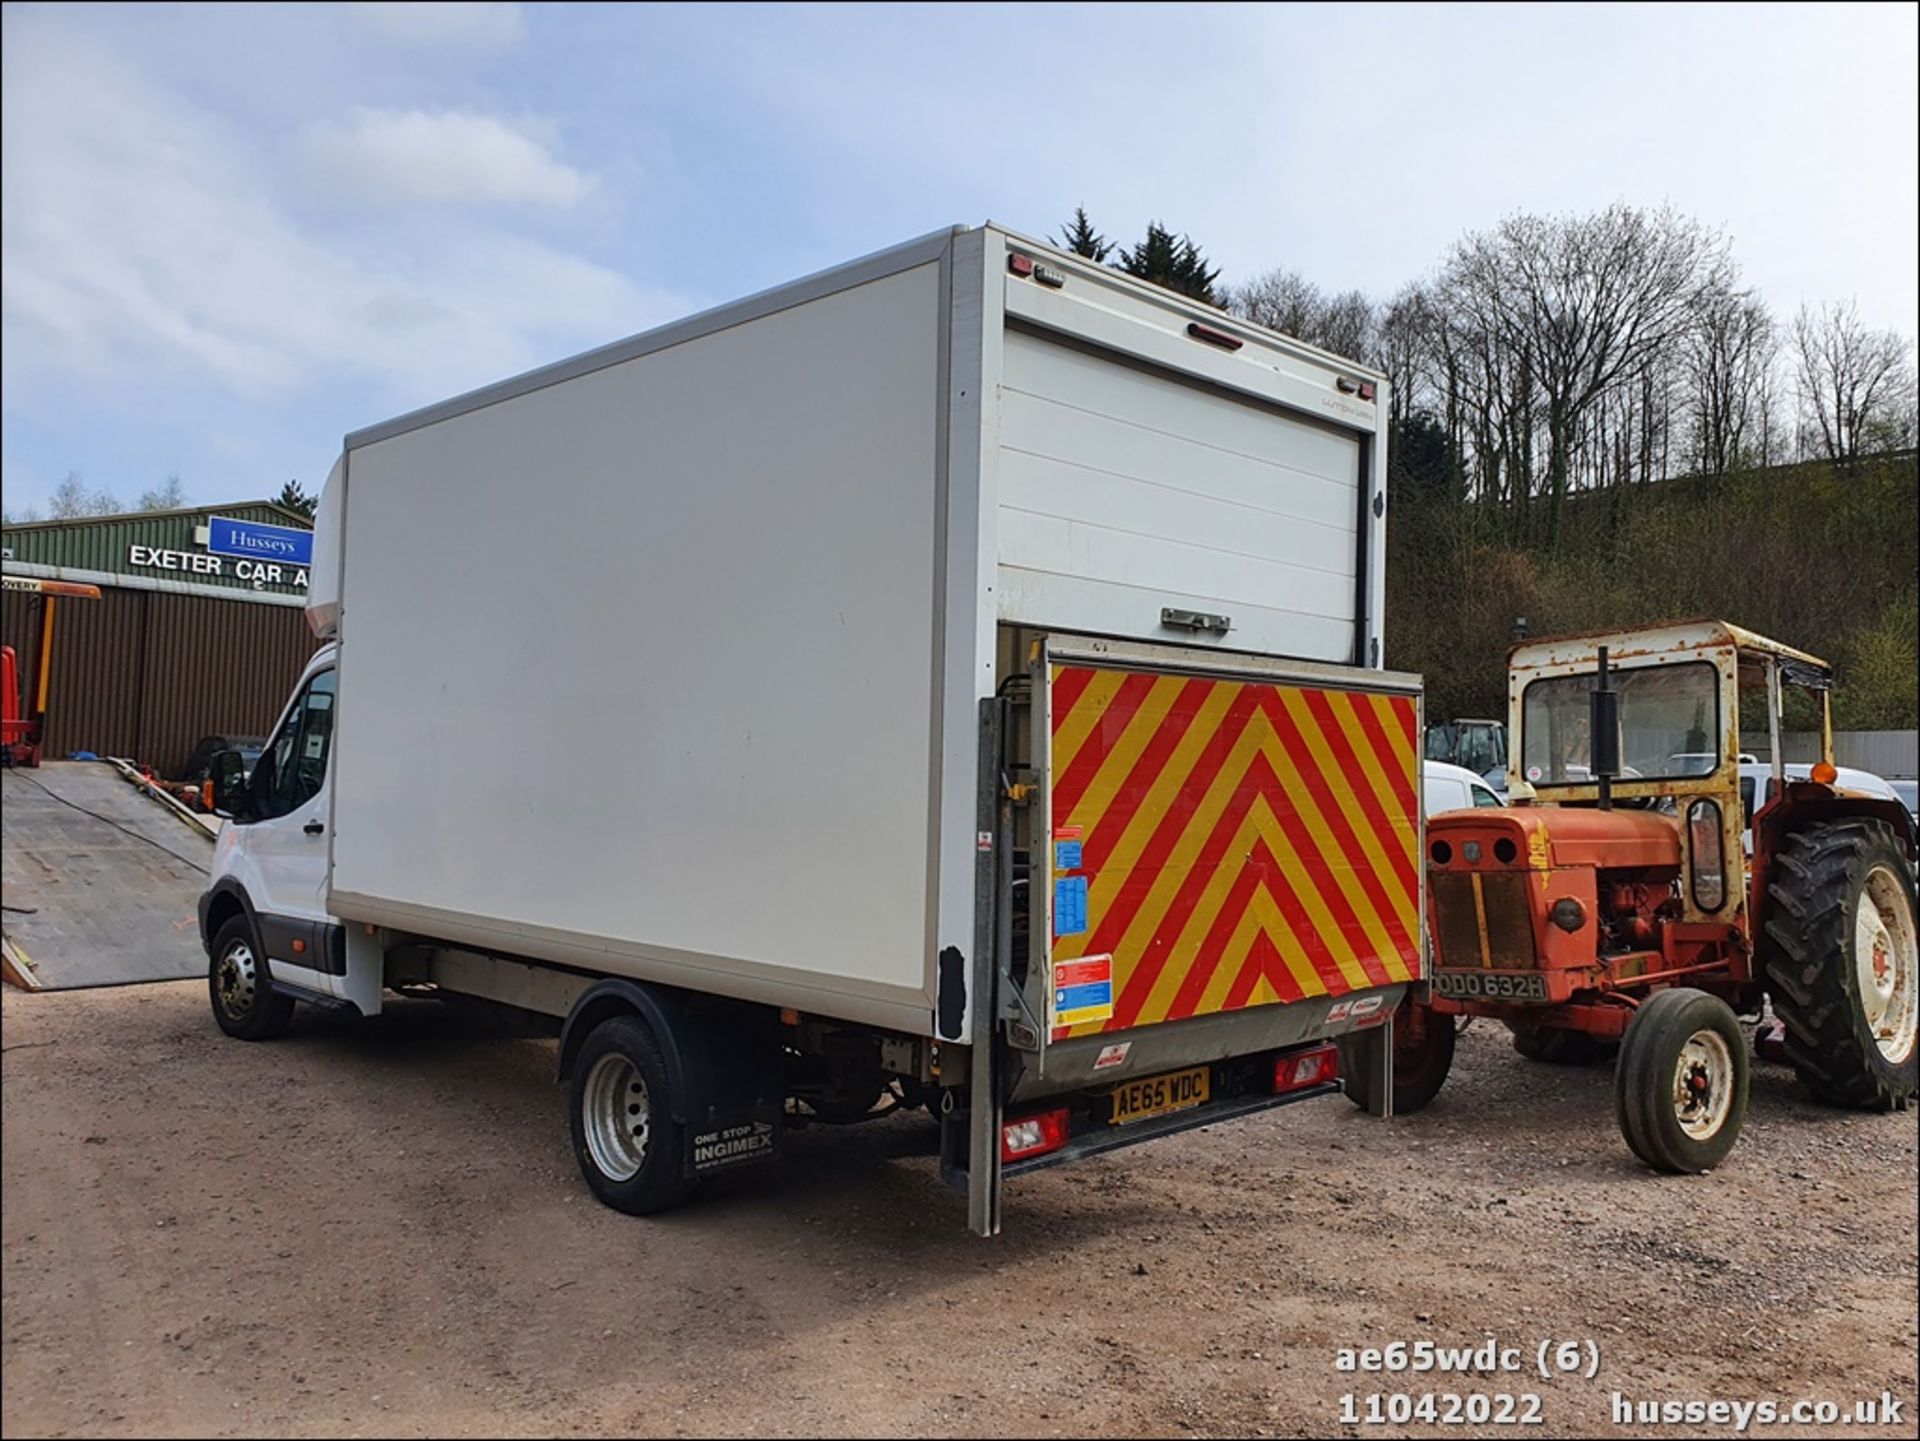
(1757, 786)
(1448, 787)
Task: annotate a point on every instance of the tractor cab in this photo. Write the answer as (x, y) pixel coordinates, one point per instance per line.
(1613, 906)
(1675, 730)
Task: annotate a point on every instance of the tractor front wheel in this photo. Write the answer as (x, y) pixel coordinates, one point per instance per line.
(1840, 963)
(1681, 1087)
(1422, 1056)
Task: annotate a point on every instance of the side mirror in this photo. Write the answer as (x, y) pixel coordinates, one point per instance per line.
(231, 795)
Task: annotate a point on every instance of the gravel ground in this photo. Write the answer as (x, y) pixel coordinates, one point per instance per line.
(376, 1229)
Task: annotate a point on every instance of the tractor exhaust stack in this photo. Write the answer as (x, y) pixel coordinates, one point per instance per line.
(1603, 725)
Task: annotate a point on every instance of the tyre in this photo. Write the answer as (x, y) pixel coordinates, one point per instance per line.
(1839, 961)
(1681, 1087)
(1558, 1046)
(1423, 1042)
(625, 1139)
(245, 1006)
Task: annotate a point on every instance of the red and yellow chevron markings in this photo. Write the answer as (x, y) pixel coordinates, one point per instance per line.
(1245, 843)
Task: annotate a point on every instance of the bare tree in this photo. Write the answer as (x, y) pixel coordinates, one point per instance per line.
(1729, 353)
(71, 499)
(1285, 301)
(1407, 352)
(1570, 308)
(168, 495)
(1856, 384)
(1282, 300)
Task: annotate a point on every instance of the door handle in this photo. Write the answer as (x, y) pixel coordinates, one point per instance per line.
(313, 828)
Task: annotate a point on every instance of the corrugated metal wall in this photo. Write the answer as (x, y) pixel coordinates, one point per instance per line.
(1892, 755)
(102, 544)
(145, 674)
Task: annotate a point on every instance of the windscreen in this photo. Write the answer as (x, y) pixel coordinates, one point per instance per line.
(1669, 725)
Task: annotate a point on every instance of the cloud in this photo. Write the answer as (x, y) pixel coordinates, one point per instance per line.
(145, 247)
(443, 22)
(444, 158)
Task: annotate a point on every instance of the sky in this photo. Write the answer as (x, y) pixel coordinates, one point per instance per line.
(233, 234)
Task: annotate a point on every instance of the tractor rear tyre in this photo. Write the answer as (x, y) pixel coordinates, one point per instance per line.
(1423, 1043)
(1681, 1088)
(1558, 1046)
(1840, 965)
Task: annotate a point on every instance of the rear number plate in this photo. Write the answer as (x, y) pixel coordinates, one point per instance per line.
(1490, 985)
(1157, 1095)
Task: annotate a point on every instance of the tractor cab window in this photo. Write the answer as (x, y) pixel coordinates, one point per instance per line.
(1669, 722)
(1481, 749)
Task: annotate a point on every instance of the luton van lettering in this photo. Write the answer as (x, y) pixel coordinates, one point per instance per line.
(731, 1145)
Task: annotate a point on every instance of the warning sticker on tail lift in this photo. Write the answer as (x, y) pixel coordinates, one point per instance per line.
(1082, 990)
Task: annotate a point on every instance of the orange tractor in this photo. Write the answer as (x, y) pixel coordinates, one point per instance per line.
(1618, 903)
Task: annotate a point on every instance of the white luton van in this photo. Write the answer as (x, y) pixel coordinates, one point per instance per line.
(953, 679)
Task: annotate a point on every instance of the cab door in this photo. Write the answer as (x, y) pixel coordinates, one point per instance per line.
(287, 843)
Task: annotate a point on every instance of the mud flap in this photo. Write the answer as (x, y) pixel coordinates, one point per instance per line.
(1380, 1057)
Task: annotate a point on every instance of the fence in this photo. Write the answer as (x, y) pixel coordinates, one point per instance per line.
(1891, 754)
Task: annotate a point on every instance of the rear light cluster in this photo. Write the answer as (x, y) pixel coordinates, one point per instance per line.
(1214, 337)
(1028, 268)
(1306, 1068)
(1033, 1135)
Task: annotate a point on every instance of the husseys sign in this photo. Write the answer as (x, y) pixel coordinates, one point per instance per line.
(250, 551)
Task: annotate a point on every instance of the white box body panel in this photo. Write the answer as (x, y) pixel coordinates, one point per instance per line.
(646, 656)
(666, 661)
(1172, 473)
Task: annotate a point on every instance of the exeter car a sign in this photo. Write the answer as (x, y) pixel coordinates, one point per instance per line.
(252, 540)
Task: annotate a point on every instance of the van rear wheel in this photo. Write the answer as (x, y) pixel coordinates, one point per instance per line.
(628, 1145)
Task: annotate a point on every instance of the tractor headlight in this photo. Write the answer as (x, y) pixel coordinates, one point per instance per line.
(1568, 914)
(1709, 860)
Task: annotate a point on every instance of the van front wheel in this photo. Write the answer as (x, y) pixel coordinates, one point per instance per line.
(244, 1002)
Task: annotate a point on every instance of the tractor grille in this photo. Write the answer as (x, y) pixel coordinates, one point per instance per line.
(1483, 919)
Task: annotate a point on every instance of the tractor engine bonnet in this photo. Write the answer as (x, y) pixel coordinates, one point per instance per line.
(1545, 837)
(1552, 889)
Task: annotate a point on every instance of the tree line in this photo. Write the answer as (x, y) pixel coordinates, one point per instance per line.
(74, 499)
(1594, 422)
(1556, 355)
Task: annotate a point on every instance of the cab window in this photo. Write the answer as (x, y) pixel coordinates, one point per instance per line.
(298, 754)
(1484, 797)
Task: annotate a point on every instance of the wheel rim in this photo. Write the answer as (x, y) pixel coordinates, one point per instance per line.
(1703, 1084)
(1883, 957)
(617, 1117)
(236, 978)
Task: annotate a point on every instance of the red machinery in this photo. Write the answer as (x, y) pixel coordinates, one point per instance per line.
(22, 731)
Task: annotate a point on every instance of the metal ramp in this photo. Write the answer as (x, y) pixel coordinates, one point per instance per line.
(100, 881)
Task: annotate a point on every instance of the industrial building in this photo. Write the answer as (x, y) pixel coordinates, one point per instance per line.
(198, 630)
